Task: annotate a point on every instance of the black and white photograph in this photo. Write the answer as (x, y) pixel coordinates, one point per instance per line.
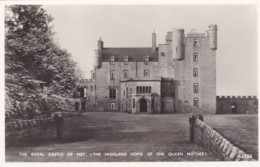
(130, 82)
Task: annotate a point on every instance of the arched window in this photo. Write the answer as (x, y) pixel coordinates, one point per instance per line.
(112, 60)
(146, 89)
(146, 60)
(137, 89)
(133, 102)
(81, 92)
(150, 89)
(126, 60)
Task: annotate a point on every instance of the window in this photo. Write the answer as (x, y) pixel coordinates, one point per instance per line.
(195, 57)
(146, 73)
(81, 92)
(85, 92)
(196, 102)
(195, 72)
(162, 54)
(112, 106)
(146, 60)
(77, 106)
(124, 92)
(93, 75)
(133, 102)
(195, 43)
(112, 74)
(126, 60)
(143, 89)
(78, 92)
(196, 88)
(125, 73)
(112, 60)
(91, 88)
(112, 93)
(146, 89)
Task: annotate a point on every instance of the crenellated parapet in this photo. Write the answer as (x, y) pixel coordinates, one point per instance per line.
(236, 97)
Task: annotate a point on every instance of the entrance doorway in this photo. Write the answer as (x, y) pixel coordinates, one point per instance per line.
(83, 106)
(77, 106)
(143, 105)
(234, 108)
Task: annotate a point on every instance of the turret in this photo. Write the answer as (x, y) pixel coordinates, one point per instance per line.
(212, 33)
(97, 59)
(178, 44)
(153, 42)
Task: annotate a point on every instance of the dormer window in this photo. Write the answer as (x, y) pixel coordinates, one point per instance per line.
(126, 60)
(146, 60)
(112, 60)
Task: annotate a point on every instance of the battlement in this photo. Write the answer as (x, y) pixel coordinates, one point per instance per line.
(236, 97)
(213, 27)
(196, 35)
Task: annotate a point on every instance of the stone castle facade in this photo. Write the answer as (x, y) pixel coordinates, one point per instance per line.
(178, 76)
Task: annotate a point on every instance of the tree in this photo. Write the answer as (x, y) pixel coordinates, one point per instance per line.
(33, 57)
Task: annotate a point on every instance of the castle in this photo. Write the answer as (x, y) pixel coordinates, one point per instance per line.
(176, 77)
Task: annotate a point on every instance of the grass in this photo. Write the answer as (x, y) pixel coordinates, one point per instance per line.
(124, 133)
(241, 130)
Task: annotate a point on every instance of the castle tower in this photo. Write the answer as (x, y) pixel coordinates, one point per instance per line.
(97, 57)
(178, 44)
(212, 32)
(154, 42)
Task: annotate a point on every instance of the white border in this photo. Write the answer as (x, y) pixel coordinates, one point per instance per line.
(112, 2)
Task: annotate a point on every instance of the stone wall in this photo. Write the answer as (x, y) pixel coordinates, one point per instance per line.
(25, 132)
(205, 136)
(244, 104)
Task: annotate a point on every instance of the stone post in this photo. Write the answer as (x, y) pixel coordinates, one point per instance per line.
(192, 120)
(58, 119)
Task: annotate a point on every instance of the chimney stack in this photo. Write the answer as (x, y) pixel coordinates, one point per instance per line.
(100, 44)
(154, 41)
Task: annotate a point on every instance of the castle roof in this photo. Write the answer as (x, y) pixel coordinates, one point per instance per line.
(134, 54)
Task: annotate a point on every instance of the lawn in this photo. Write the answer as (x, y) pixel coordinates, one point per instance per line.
(110, 136)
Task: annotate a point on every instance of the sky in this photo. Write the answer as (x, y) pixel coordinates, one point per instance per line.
(78, 27)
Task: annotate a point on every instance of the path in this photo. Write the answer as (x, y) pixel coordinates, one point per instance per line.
(115, 133)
